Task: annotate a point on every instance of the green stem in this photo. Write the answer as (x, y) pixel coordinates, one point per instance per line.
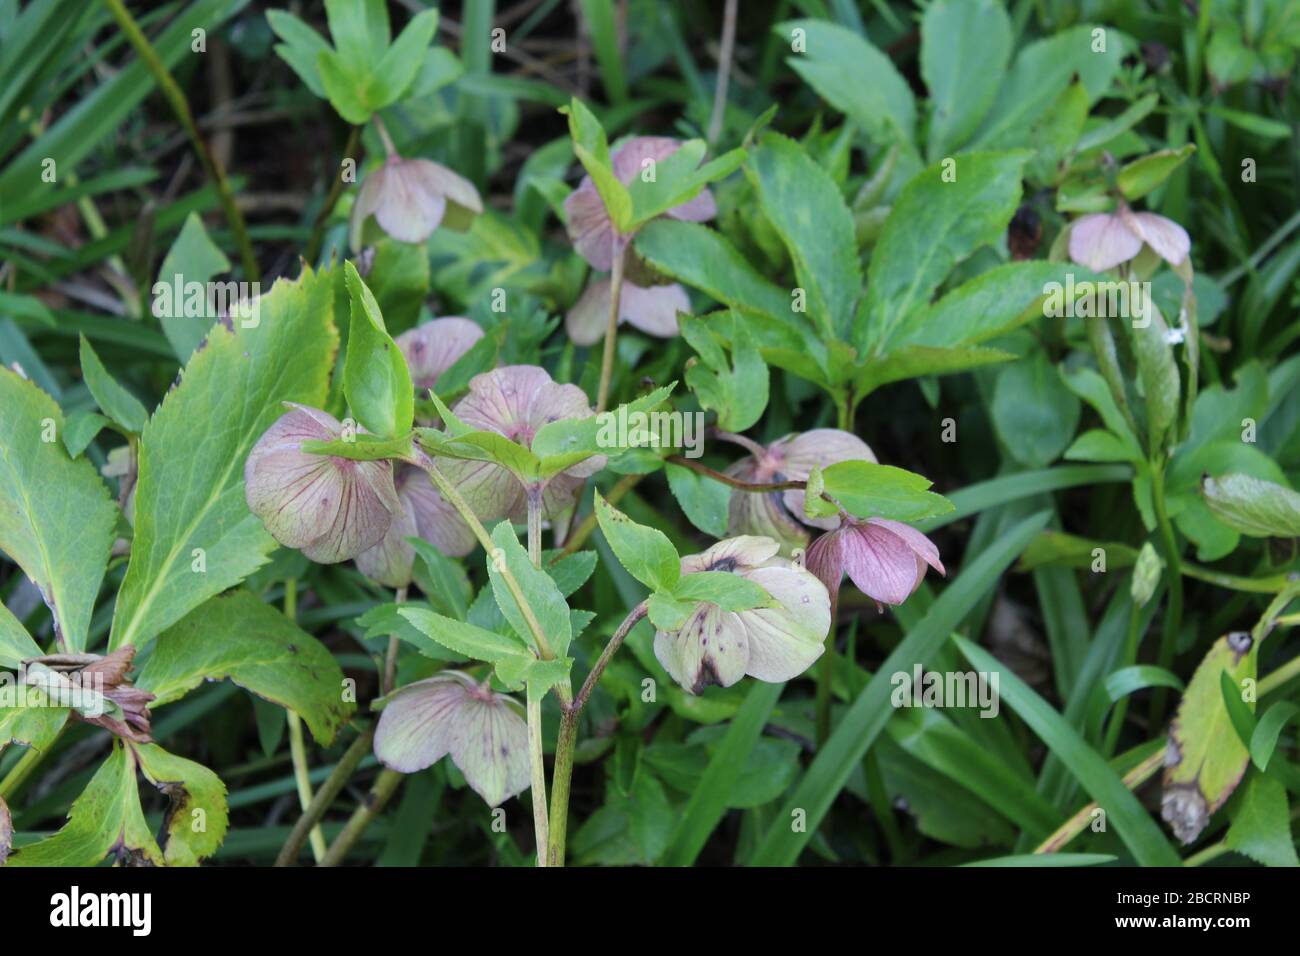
(611, 334)
(385, 786)
(333, 785)
(181, 107)
(297, 742)
(537, 767)
(1174, 609)
(1130, 658)
(20, 771)
(352, 151)
(534, 496)
(561, 777)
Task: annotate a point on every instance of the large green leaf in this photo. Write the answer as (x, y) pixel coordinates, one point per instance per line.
(965, 48)
(805, 207)
(194, 534)
(57, 520)
(539, 591)
(239, 637)
(871, 710)
(646, 553)
(933, 225)
(197, 818)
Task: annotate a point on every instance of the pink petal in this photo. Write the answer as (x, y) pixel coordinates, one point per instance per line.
(653, 310)
(436, 521)
(1101, 241)
(880, 563)
(821, 447)
(590, 227)
(406, 207)
(918, 542)
(586, 322)
(434, 347)
(417, 726)
(825, 559)
(1166, 237)
(629, 161)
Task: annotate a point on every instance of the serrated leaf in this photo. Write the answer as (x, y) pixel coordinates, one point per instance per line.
(867, 489)
(728, 591)
(57, 521)
(196, 820)
(702, 500)
(16, 645)
(646, 553)
(737, 389)
(193, 257)
(1261, 827)
(473, 642)
(80, 430)
(190, 493)
(539, 591)
(237, 637)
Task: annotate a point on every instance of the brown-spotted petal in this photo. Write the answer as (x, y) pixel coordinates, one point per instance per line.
(710, 648)
(491, 748)
(733, 554)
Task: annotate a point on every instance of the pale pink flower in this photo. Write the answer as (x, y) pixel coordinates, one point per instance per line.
(652, 309)
(409, 198)
(1102, 241)
(885, 559)
(425, 514)
(434, 347)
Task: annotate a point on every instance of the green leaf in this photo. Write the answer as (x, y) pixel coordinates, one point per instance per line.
(539, 591)
(646, 553)
(1206, 758)
(737, 389)
(360, 30)
(80, 430)
(196, 820)
(867, 489)
(709, 798)
(342, 87)
(866, 717)
(678, 179)
(1252, 506)
(706, 260)
(193, 257)
(442, 580)
(1034, 414)
(1136, 828)
(300, 48)
(703, 500)
(16, 645)
(853, 76)
(984, 495)
(592, 150)
(57, 521)
(965, 49)
(1263, 742)
(375, 377)
(190, 496)
(240, 638)
(36, 725)
(395, 72)
(807, 211)
(115, 401)
(1158, 373)
(728, 591)
(1051, 860)
(105, 819)
(565, 443)
(1139, 177)
(1261, 827)
(932, 226)
(473, 642)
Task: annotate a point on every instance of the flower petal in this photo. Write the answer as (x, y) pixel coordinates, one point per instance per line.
(432, 348)
(491, 748)
(733, 554)
(362, 513)
(825, 560)
(821, 447)
(653, 310)
(784, 641)
(1102, 241)
(918, 542)
(436, 521)
(882, 565)
(406, 207)
(1166, 237)
(710, 648)
(391, 561)
(417, 726)
(585, 323)
(590, 228)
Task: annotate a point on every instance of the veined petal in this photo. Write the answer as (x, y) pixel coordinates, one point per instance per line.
(1169, 240)
(653, 310)
(784, 641)
(880, 563)
(434, 347)
(491, 748)
(1102, 241)
(416, 727)
(590, 228)
(405, 207)
(917, 541)
(391, 561)
(712, 647)
(436, 521)
(821, 447)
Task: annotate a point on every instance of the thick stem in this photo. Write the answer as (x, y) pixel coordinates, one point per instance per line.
(385, 786)
(330, 789)
(297, 743)
(562, 776)
(180, 106)
(537, 766)
(611, 334)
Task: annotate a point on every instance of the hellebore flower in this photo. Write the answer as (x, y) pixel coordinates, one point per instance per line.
(516, 401)
(329, 507)
(1102, 241)
(885, 559)
(773, 644)
(434, 347)
(424, 514)
(590, 227)
(410, 198)
(451, 714)
(653, 310)
(780, 514)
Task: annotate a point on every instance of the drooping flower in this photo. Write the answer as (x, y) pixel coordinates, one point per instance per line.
(517, 401)
(1102, 241)
(329, 507)
(590, 226)
(773, 644)
(451, 714)
(434, 347)
(409, 198)
(424, 514)
(885, 559)
(97, 688)
(780, 514)
(653, 310)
